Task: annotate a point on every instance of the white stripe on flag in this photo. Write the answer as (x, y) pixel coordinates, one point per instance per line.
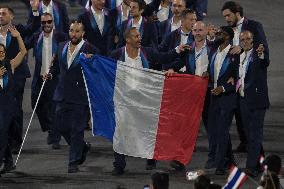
(137, 95)
(240, 179)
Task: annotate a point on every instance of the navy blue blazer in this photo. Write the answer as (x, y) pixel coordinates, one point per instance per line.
(150, 57)
(61, 19)
(228, 69)
(105, 41)
(172, 40)
(164, 28)
(36, 42)
(116, 16)
(258, 34)
(71, 85)
(148, 11)
(187, 59)
(147, 30)
(255, 89)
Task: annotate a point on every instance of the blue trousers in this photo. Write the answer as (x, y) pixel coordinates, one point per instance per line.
(253, 125)
(71, 121)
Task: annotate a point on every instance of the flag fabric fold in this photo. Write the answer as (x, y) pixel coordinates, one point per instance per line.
(144, 113)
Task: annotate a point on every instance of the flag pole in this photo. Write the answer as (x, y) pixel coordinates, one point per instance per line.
(39, 95)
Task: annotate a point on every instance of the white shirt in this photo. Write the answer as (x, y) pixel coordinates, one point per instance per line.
(71, 56)
(48, 8)
(124, 16)
(99, 17)
(3, 39)
(1, 82)
(118, 2)
(237, 32)
(46, 54)
(201, 60)
(175, 26)
(135, 62)
(163, 13)
(138, 24)
(244, 60)
(183, 38)
(148, 1)
(220, 57)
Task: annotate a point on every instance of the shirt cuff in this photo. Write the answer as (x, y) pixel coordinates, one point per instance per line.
(35, 13)
(261, 56)
(177, 50)
(223, 89)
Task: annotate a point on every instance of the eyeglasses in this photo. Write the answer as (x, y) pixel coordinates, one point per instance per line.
(46, 22)
(2, 52)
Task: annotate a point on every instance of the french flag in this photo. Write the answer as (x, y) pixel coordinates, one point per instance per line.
(144, 113)
(235, 179)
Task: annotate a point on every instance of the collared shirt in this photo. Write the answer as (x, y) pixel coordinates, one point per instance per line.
(237, 32)
(163, 13)
(100, 18)
(124, 16)
(244, 60)
(148, 1)
(3, 39)
(71, 56)
(183, 37)
(138, 24)
(118, 2)
(220, 57)
(46, 53)
(135, 62)
(175, 26)
(1, 82)
(201, 60)
(47, 8)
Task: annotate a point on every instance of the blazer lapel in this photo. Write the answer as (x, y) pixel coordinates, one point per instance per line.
(212, 64)
(225, 65)
(93, 21)
(8, 39)
(76, 59)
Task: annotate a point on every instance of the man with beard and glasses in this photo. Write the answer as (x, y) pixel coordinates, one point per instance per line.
(72, 107)
(22, 72)
(45, 44)
(234, 16)
(222, 71)
(56, 8)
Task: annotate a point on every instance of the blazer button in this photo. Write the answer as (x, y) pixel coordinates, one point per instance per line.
(77, 83)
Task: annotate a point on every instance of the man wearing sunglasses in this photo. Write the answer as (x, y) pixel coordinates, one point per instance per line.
(45, 45)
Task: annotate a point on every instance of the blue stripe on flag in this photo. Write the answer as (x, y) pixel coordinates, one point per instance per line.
(100, 74)
(232, 183)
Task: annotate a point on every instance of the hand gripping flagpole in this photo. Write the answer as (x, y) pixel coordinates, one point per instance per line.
(39, 95)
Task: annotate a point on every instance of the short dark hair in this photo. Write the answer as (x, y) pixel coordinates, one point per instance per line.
(185, 12)
(229, 30)
(75, 21)
(141, 4)
(11, 11)
(234, 7)
(47, 14)
(128, 31)
(2, 45)
(160, 180)
(202, 182)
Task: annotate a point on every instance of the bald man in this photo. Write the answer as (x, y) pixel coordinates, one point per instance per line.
(195, 58)
(253, 92)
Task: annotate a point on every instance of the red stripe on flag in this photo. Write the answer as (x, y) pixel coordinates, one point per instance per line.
(179, 119)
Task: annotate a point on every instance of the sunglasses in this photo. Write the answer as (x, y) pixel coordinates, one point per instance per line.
(46, 22)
